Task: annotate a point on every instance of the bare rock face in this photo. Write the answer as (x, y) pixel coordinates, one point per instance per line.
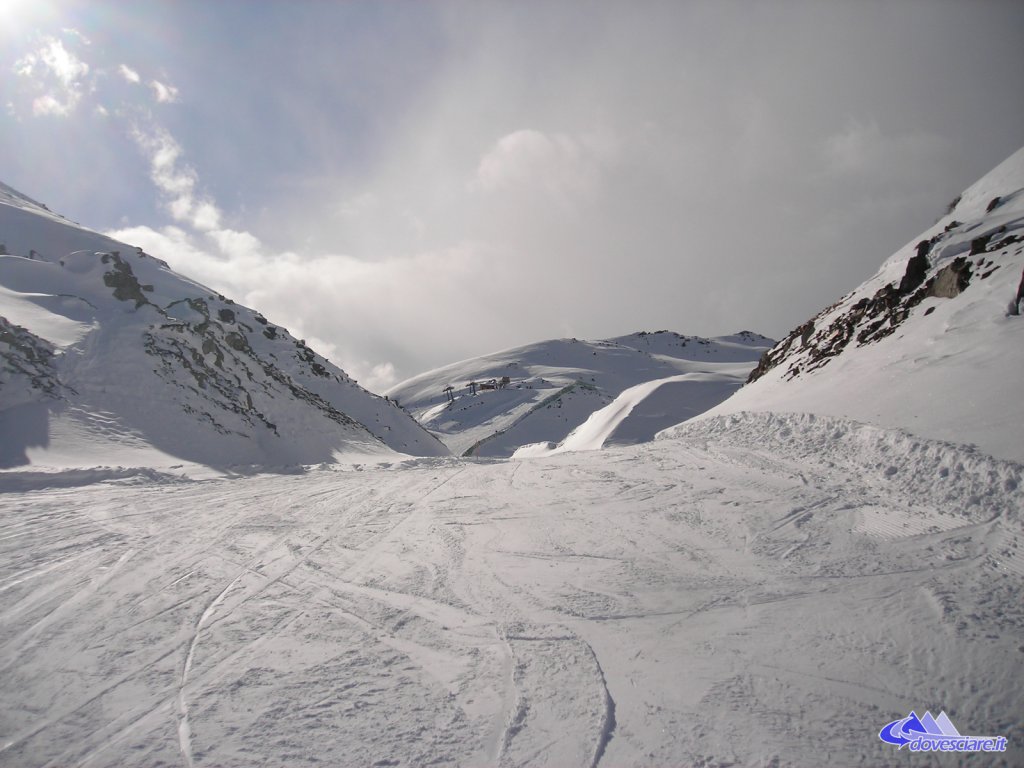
(917, 268)
(122, 279)
(870, 318)
(951, 280)
(28, 358)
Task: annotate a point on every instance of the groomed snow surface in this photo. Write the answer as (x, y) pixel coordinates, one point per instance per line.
(750, 590)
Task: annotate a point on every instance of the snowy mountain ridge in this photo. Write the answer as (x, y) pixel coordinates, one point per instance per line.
(111, 357)
(932, 343)
(493, 404)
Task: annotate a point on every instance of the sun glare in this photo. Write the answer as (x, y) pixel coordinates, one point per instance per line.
(10, 10)
(17, 17)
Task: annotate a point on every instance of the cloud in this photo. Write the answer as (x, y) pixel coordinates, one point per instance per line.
(72, 32)
(236, 245)
(558, 166)
(165, 94)
(175, 180)
(502, 173)
(129, 74)
(361, 314)
(382, 376)
(359, 306)
(861, 148)
(67, 67)
(48, 104)
(205, 216)
(885, 176)
(57, 75)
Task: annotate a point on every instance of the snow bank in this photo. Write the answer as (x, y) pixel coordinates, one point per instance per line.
(958, 478)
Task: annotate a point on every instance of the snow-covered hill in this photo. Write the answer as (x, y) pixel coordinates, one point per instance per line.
(933, 343)
(109, 357)
(553, 386)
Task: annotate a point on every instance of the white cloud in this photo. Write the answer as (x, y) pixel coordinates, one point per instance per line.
(129, 74)
(165, 94)
(557, 171)
(67, 67)
(234, 244)
(361, 305)
(48, 104)
(382, 376)
(71, 32)
(359, 205)
(57, 73)
(205, 216)
(175, 180)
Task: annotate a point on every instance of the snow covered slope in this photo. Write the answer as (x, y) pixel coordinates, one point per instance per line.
(109, 357)
(933, 343)
(554, 386)
(640, 412)
(759, 591)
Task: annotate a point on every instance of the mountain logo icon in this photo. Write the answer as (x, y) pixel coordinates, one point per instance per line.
(928, 733)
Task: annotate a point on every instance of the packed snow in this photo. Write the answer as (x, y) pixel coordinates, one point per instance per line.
(753, 590)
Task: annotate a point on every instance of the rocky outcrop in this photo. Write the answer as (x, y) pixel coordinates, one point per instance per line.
(26, 356)
(938, 269)
(215, 352)
(951, 280)
(123, 281)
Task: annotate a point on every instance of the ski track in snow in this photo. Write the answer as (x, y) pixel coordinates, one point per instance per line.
(712, 598)
(184, 729)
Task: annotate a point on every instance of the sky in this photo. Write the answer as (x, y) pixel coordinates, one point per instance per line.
(408, 183)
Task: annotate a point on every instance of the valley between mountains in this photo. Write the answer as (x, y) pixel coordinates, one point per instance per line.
(216, 549)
